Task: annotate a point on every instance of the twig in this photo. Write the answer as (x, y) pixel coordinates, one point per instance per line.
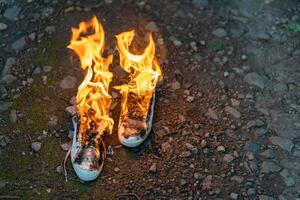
(58, 12)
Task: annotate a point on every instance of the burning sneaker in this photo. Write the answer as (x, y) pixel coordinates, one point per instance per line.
(138, 97)
(87, 157)
(88, 150)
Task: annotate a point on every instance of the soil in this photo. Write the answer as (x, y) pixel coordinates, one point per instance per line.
(226, 121)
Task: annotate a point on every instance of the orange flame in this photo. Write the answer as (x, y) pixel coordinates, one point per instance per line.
(93, 100)
(144, 72)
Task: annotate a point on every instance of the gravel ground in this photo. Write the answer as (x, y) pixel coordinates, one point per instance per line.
(227, 122)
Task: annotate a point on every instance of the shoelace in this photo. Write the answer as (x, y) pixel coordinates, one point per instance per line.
(64, 164)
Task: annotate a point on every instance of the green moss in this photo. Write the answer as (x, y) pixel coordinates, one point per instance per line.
(217, 46)
(48, 52)
(33, 110)
(294, 26)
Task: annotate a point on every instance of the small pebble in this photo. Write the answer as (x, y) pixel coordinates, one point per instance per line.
(36, 146)
(153, 168)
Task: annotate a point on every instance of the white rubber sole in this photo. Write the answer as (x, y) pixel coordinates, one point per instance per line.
(84, 175)
(134, 141)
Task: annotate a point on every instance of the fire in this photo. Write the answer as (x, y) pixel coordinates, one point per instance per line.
(144, 74)
(93, 100)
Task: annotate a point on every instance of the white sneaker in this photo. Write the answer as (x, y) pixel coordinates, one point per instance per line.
(87, 159)
(132, 136)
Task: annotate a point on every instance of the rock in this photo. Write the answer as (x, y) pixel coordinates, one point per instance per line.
(226, 74)
(59, 169)
(200, 3)
(190, 99)
(260, 132)
(193, 45)
(3, 26)
(175, 85)
(32, 36)
(244, 57)
(69, 9)
(220, 32)
(269, 153)
(269, 166)
(284, 124)
(281, 197)
(2, 184)
(192, 148)
(117, 169)
(198, 176)
(253, 123)
(50, 29)
(235, 113)
(12, 13)
(165, 147)
(235, 102)
(176, 41)
(234, 195)
(212, 114)
(152, 27)
(71, 110)
(265, 197)
(207, 182)
(53, 121)
(238, 179)
(36, 146)
(13, 116)
(287, 177)
(280, 87)
(253, 164)
(65, 146)
(255, 79)
(183, 182)
(228, 158)
(263, 36)
(296, 153)
(252, 146)
(203, 143)
(161, 132)
(3, 141)
(47, 68)
(202, 42)
(10, 62)
(221, 149)
(68, 82)
(181, 118)
(37, 70)
(249, 155)
(19, 44)
(47, 12)
(8, 79)
(153, 168)
(251, 192)
(185, 154)
(4, 105)
(283, 142)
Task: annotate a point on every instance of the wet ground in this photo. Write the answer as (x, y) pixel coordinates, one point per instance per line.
(226, 122)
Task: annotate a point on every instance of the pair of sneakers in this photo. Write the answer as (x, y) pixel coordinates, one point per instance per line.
(93, 121)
